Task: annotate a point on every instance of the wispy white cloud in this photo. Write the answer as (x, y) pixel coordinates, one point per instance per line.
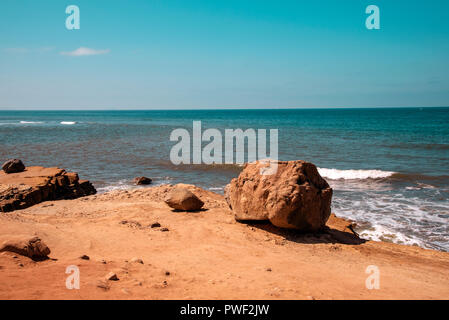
(83, 51)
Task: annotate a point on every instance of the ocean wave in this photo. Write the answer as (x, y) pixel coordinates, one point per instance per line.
(396, 217)
(128, 184)
(68, 122)
(381, 233)
(336, 174)
(30, 122)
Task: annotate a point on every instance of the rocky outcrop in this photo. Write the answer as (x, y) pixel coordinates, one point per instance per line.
(142, 181)
(32, 247)
(181, 198)
(294, 197)
(13, 166)
(37, 184)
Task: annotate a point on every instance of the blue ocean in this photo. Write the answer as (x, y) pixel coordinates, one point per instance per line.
(389, 167)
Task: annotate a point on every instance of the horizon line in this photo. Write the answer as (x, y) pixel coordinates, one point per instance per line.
(209, 108)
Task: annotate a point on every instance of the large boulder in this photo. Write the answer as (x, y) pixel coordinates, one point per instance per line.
(142, 181)
(295, 196)
(180, 198)
(32, 247)
(13, 166)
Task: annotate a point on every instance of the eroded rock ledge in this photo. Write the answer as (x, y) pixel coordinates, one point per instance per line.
(37, 184)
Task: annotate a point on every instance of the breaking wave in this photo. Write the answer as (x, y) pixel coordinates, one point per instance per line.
(30, 122)
(336, 174)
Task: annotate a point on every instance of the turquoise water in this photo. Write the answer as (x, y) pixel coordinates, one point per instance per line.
(389, 167)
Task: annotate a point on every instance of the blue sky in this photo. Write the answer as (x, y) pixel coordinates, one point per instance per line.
(223, 54)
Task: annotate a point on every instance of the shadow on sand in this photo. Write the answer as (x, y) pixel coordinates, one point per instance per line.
(327, 235)
(191, 211)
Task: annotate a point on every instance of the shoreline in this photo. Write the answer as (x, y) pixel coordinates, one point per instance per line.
(364, 228)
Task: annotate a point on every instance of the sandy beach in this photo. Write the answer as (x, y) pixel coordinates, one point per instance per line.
(202, 255)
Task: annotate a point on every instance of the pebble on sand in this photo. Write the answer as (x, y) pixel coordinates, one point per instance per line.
(112, 276)
(155, 225)
(137, 260)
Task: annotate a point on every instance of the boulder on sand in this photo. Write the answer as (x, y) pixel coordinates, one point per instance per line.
(180, 198)
(142, 181)
(294, 197)
(13, 166)
(32, 247)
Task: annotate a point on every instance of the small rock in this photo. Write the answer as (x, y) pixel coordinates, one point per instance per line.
(180, 198)
(167, 273)
(20, 265)
(13, 166)
(269, 269)
(155, 225)
(137, 260)
(112, 276)
(84, 257)
(142, 181)
(164, 229)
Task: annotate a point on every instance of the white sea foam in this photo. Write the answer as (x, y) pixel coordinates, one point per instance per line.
(126, 184)
(119, 185)
(398, 218)
(216, 189)
(336, 174)
(30, 122)
(381, 233)
(68, 122)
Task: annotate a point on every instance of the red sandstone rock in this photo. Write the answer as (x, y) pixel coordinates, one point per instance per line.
(294, 197)
(181, 198)
(30, 247)
(37, 184)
